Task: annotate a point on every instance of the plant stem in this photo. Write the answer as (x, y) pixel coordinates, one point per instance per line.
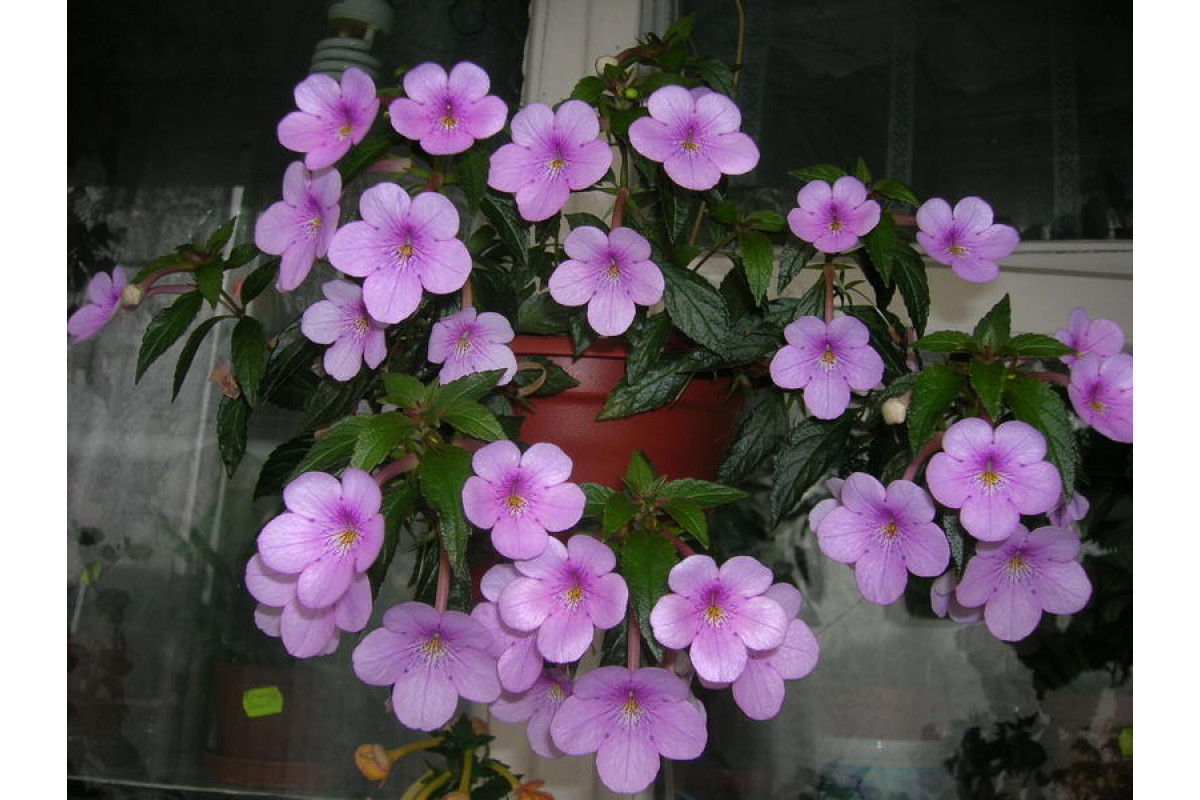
(396, 467)
(149, 280)
(713, 250)
(1051, 377)
(683, 547)
(741, 46)
(232, 304)
(633, 644)
(424, 744)
(467, 299)
(442, 598)
(464, 784)
(619, 207)
(428, 791)
(929, 448)
(502, 771)
(828, 275)
(172, 288)
(696, 225)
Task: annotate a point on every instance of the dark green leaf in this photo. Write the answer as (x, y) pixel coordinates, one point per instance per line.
(232, 417)
(378, 436)
(280, 465)
(1036, 403)
(241, 255)
(994, 330)
(736, 291)
(677, 210)
(618, 511)
(647, 338)
(646, 561)
(987, 377)
(1035, 345)
(474, 420)
(696, 308)
(259, 279)
(469, 387)
(333, 450)
(758, 261)
(937, 387)
(883, 243)
(724, 212)
(689, 516)
(220, 236)
(758, 435)
(165, 328)
(502, 213)
(680, 29)
(442, 474)
(588, 89)
(957, 539)
(621, 118)
(494, 291)
(249, 347)
(767, 221)
(861, 171)
(556, 379)
(540, 315)
(913, 284)
(405, 391)
(716, 73)
(471, 169)
(658, 386)
(580, 333)
(882, 338)
(812, 449)
(597, 495)
(638, 474)
(895, 190)
(398, 503)
(162, 262)
(292, 358)
(208, 280)
(187, 353)
(584, 220)
(702, 493)
(365, 154)
(332, 400)
(818, 172)
(946, 342)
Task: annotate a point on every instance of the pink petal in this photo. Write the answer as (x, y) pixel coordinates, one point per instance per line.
(424, 698)
(323, 582)
(268, 586)
(788, 597)
(674, 621)
(409, 118)
(358, 249)
(354, 609)
(1012, 613)
(972, 214)
(560, 507)
(653, 139)
(745, 576)
(545, 464)
(1035, 489)
(718, 112)
(302, 132)
(934, 216)
(573, 283)
(314, 495)
(479, 503)
(826, 396)
(925, 548)
(995, 243)
(468, 81)
(848, 191)
(692, 575)
(495, 579)
(814, 196)
(392, 295)
(759, 691)
(798, 654)
(379, 657)
(268, 619)
(576, 121)
(610, 311)
(678, 730)
(425, 83)
(880, 575)
(433, 214)
(1020, 442)
(295, 264)
(531, 125)
(608, 598)
(290, 542)
(1052, 544)
(628, 761)
(673, 105)
(967, 437)
(761, 623)
(949, 480)
(989, 518)
(586, 243)
(644, 282)
(692, 171)
(844, 535)
(543, 198)
(1062, 588)
(718, 655)
(361, 491)
(588, 164)
(793, 368)
(520, 665)
(513, 166)
(306, 632)
(732, 153)
(274, 230)
(473, 673)
(565, 636)
(591, 554)
(343, 360)
(444, 268)
(580, 726)
(525, 603)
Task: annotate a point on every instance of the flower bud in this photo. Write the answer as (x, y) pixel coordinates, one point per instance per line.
(631, 93)
(479, 726)
(372, 761)
(131, 296)
(604, 61)
(895, 409)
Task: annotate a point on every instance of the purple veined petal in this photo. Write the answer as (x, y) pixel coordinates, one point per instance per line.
(692, 171)
(974, 269)
(826, 396)
(323, 322)
(573, 283)
(1052, 544)
(302, 132)
(759, 691)
(494, 327)
(491, 356)
(580, 726)
(588, 164)
(761, 623)
(512, 167)
(467, 82)
(972, 214)
(586, 243)
(732, 153)
(989, 518)
(848, 191)
(652, 139)
(423, 698)
(541, 199)
(374, 347)
(380, 657)
(274, 230)
(788, 597)
(863, 493)
(604, 684)
(86, 322)
(360, 250)
(479, 503)
(488, 615)
(1036, 488)
(844, 535)
(793, 368)
(496, 461)
(820, 511)
(814, 196)
(382, 207)
(659, 686)
(425, 83)
(672, 105)
(627, 761)
(678, 730)
(836, 241)
(369, 544)
(268, 619)
(432, 214)
(880, 575)
(845, 333)
(967, 437)
(994, 243)
(392, 295)
(565, 636)
(934, 215)
(525, 603)
(268, 586)
(517, 706)
(440, 141)
(445, 266)
(577, 121)
(290, 542)
(463, 631)
(360, 490)
(314, 495)
(305, 632)
(520, 665)
(323, 582)
(610, 311)
(1012, 612)
(719, 113)
(473, 673)
(409, 118)
(295, 264)
(317, 94)
(745, 576)
(799, 653)
(326, 189)
(805, 225)
(1105, 337)
(560, 507)
(591, 554)
(949, 480)
(608, 598)
(982, 575)
(412, 620)
(495, 579)
(909, 503)
(644, 282)
(674, 621)
(343, 360)
(354, 609)
(692, 575)
(545, 464)
(926, 549)
(628, 245)
(531, 125)
(862, 218)
(1063, 588)
(1020, 442)
(538, 733)
(719, 655)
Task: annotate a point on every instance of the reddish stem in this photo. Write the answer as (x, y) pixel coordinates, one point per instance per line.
(1051, 377)
(174, 288)
(434, 183)
(931, 446)
(442, 598)
(619, 207)
(828, 273)
(668, 661)
(683, 547)
(633, 644)
(394, 468)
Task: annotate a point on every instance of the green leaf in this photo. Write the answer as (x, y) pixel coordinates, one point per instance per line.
(689, 516)
(249, 348)
(647, 339)
(758, 435)
(474, 420)
(597, 495)
(861, 171)
(618, 511)
(680, 29)
(724, 212)
(540, 315)
(703, 493)
(994, 330)
(332, 400)
(639, 474)
(646, 561)
(895, 190)
(187, 354)
(442, 474)
(241, 255)
(333, 450)
(716, 73)
(913, 284)
(580, 333)
(162, 262)
(813, 448)
(405, 391)
(987, 378)
(208, 280)
(280, 465)
(658, 386)
(767, 221)
(471, 169)
(582, 219)
(220, 236)
(292, 357)
(259, 279)
(556, 380)
(165, 328)
(759, 262)
(1035, 345)
(818, 172)
(883, 243)
(469, 387)
(936, 388)
(696, 308)
(588, 89)
(399, 500)
(621, 118)
(946, 342)
(232, 417)
(502, 213)
(1036, 403)
(366, 153)
(378, 436)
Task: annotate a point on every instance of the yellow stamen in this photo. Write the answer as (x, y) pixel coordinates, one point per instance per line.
(346, 538)
(449, 122)
(405, 251)
(956, 250)
(343, 131)
(313, 225)
(890, 531)
(433, 648)
(573, 597)
(515, 503)
(714, 615)
(989, 478)
(828, 359)
(613, 272)
(463, 344)
(360, 325)
(1097, 406)
(1016, 565)
(556, 693)
(630, 709)
(835, 226)
(689, 145)
(556, 164)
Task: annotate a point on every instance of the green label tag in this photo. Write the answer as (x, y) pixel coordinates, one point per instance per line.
(263, 701)
(1125, 741)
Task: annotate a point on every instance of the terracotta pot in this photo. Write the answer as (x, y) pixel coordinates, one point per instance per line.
(686, 439)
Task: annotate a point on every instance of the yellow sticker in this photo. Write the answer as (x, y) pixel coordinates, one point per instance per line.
(263, 701)
(1125, 741)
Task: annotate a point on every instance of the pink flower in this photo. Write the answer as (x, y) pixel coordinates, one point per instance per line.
(628, 718)
(300, 227)
(1068, 512)
(430, 658)
(1101, 391)
(342, 320)
(993, 476)
(943, 599)
(695, 138)
(719, 613)
(521, 496)
(885, 534)
(553, 153)
(104, 300)
(1085, 335)
(401, 247)
(565, 594)
(467, 342)
(305, 631)
(1019, 578)
(833, 217)
(965, 239)
(827, 361)
(331, 531)
(610, 272)
(447, 113)
(331, 117)
(518, 661)
(536, 706)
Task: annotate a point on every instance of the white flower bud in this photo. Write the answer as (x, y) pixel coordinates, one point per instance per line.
(604, 61)
(131, 296)
(895, 409)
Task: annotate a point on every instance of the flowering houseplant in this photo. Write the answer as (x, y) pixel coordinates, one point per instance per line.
(957, 449)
